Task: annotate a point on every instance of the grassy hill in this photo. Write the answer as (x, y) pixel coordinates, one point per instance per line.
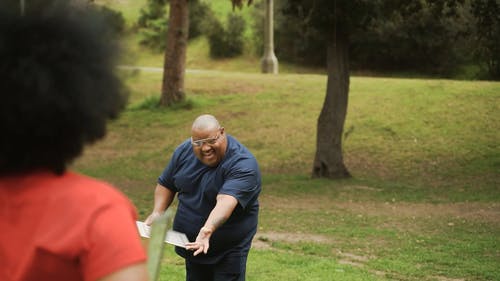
(198, 49)
(424, 200)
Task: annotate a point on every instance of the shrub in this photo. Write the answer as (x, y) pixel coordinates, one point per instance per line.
(155, 36)
(114, 20)
(154, 10)
(153, 21)
(226, 42)
(198, 13)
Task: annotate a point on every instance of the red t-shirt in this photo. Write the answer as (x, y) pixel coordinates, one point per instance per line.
(67, 227)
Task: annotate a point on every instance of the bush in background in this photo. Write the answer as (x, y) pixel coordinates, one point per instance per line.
(421, 37)
(487, 33)
(440, 38)
(226, 42)
(114, 20)
(153, 22)
(198, 13)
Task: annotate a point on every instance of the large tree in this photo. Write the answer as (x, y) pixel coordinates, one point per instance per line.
(175, 53)
(332, 21)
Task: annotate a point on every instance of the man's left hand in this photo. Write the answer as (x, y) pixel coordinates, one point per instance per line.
(202, 242)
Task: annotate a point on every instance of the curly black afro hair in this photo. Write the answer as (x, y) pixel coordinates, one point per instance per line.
(58, 87)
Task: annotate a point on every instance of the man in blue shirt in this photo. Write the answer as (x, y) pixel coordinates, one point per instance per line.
(217, 182)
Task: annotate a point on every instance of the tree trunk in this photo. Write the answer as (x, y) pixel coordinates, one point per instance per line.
(175, 53)
(328, 161)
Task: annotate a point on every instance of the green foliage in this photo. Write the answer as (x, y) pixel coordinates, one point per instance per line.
(226, 42)
(149, 103)
(239, 3)
(257, 26)
(155, 35)
(129, 9)
(154, 10)
(304, 27)
(114, 19)
(424, 36)
(487, 19)
(421, 38)
(153, 22)
(427, 37)
(198, 13)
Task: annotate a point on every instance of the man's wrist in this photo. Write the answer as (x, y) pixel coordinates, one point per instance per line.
(207, 230)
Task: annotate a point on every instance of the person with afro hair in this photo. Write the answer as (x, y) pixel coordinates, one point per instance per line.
(58, 89)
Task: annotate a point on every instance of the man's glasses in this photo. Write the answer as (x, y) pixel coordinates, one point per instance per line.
(209, 141)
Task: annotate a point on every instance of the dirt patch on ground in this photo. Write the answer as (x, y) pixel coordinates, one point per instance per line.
(483, 212)
(264, 240)
(402, 215)
(441, 278)
(228, 88)
(480, 212)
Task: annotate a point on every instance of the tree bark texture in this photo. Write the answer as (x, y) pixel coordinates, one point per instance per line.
(175, 53)
(328, 161)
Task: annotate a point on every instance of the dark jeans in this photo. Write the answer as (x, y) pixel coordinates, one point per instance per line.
(228, 269)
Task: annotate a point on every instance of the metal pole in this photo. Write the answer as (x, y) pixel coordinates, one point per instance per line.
(22, 7)
(269, 62)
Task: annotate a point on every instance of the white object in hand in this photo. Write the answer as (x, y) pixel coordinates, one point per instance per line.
(172, 237)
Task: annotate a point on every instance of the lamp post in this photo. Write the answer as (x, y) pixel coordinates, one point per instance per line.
(269, 62)
(21, 3)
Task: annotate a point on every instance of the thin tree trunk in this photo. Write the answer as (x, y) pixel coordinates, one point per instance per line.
(328, 161)
(175, 53)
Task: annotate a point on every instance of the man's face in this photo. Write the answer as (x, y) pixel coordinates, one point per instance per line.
(209, 146)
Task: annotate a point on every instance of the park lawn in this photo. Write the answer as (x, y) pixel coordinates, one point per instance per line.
(423, 203)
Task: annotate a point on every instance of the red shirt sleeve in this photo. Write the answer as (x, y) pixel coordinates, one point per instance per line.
(112, 240)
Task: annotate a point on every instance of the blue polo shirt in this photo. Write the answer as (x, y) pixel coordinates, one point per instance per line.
(197, 187)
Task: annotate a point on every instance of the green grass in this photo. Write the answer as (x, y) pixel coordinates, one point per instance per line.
(270, 266)
(424, 200)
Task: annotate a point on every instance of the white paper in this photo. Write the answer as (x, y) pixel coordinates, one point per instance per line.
(176, 238)
(144, 229)
(172, 237)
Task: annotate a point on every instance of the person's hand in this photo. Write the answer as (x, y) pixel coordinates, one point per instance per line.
(202, 242)
(152, 217)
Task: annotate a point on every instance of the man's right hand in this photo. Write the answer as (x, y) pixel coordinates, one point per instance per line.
(163, 199)
(152, 217)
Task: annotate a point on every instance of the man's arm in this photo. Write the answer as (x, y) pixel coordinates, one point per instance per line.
(222, 211)
(162, 200)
